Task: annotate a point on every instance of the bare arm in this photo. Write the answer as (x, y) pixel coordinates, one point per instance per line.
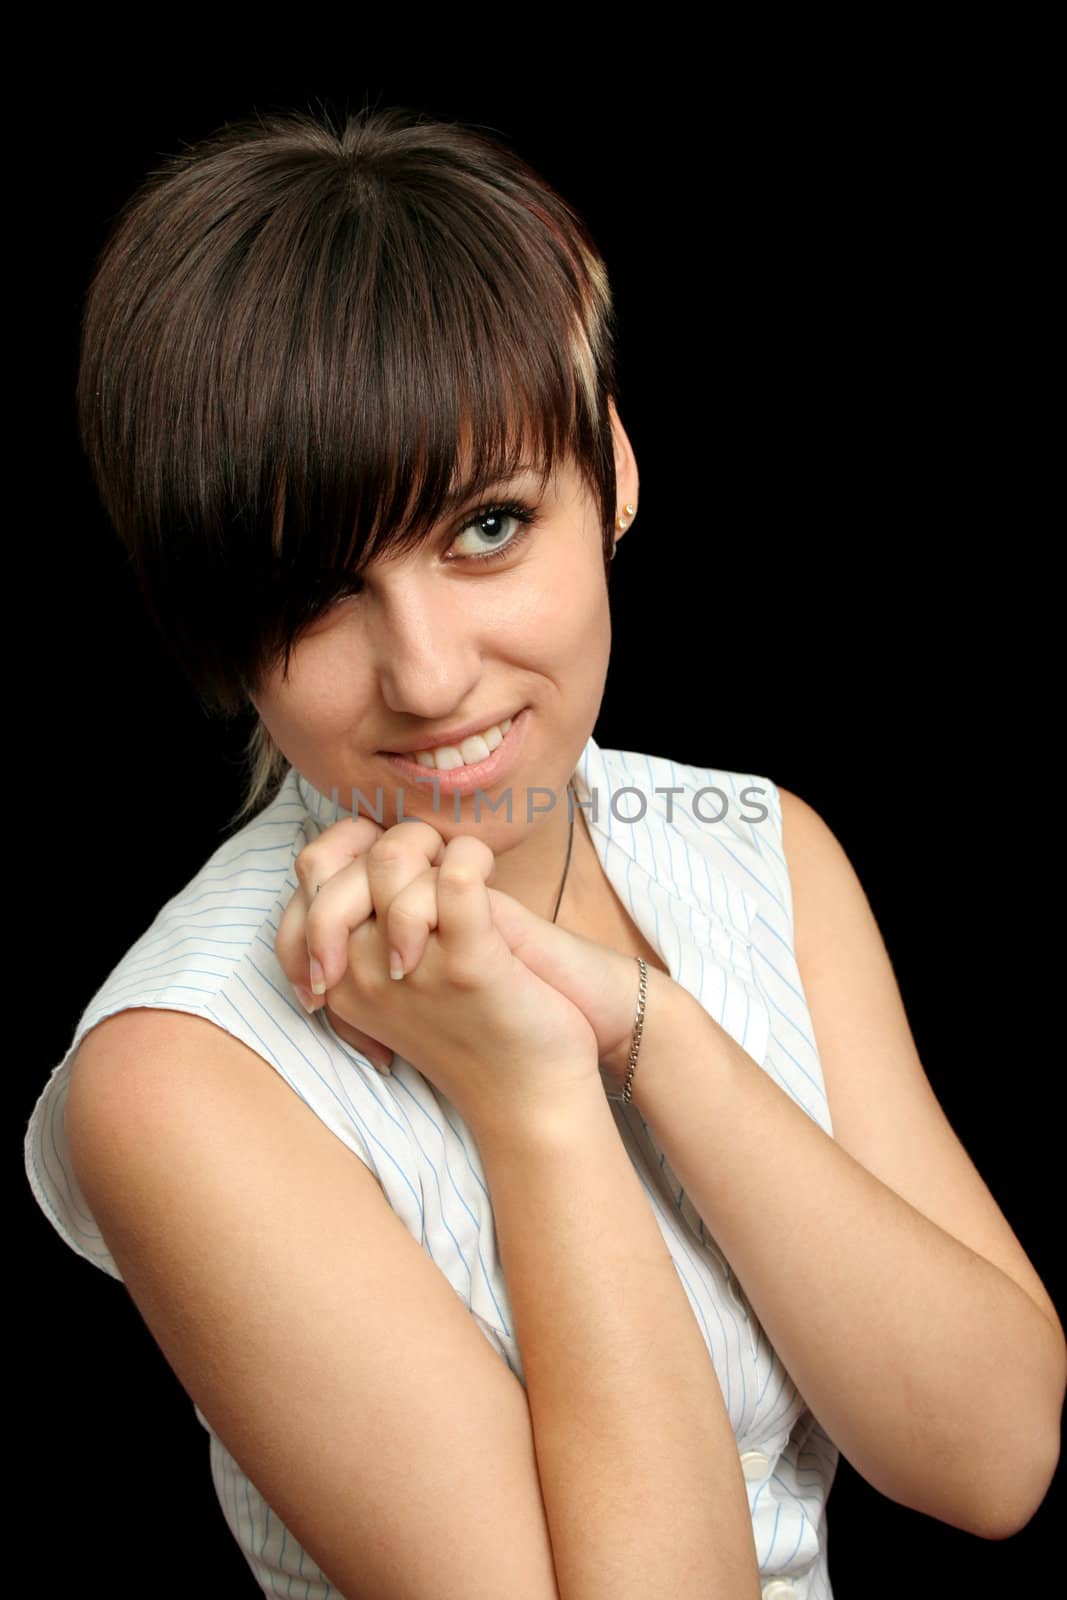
(343, 1373)
(638, 1463)
(881, 1267)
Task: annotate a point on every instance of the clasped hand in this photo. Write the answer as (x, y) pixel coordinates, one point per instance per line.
(498, 1007)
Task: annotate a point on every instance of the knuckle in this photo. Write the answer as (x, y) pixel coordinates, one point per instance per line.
(402, 914)
(473, 854)
(386, 853)
(308, 867)
(357, 830)
(458, 877)
(349, 833)
(464, 974)
(483, 856)
(417, 837)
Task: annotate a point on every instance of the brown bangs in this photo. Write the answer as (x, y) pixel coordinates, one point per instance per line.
(302, 343)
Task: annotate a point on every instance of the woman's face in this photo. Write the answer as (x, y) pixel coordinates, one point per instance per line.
(438, 641)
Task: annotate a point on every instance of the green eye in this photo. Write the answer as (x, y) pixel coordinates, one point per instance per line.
(492, 524)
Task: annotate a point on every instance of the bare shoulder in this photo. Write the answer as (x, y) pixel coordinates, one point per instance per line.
(795, 811)
(324, 1346)
(882, 1106)
(819, 870)
(143, 1061)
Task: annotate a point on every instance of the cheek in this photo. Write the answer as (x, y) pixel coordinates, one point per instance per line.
(561, 625)
(319, 699)
(566, 602)
(580, 601)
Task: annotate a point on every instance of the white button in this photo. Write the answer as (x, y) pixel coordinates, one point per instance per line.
(754, 1465)
(778, 1589)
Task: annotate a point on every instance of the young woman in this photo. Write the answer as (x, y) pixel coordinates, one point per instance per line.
(654, 1210)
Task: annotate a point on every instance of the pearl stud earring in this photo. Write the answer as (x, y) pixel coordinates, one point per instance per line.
(622, 523)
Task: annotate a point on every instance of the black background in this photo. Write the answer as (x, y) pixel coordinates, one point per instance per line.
(833, 277)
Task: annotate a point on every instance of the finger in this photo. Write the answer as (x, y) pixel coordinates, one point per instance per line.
(379, 1055)
(411, 918)
(310, 1002)
(513, 921)
(320, 928)
(290, 945)
(464, 917)
(342, 905)
(334, 848)
(399, 857)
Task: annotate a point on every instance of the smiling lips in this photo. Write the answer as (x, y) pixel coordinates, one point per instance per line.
(478, 761)
(476, 747)
(464, 747)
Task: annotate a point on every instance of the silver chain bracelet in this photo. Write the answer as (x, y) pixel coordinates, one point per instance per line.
(626, 1096)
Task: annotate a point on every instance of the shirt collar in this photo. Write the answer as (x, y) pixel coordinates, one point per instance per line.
(670, 871)
(635, 831)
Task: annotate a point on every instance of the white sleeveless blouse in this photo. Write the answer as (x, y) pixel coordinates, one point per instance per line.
(713, 897)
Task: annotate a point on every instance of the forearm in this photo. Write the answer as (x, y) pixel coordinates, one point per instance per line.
(639, 1468)
(936, 1375)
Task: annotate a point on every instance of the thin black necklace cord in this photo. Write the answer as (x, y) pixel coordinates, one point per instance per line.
(567, 863)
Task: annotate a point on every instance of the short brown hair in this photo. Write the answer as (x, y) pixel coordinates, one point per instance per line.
(293, 335)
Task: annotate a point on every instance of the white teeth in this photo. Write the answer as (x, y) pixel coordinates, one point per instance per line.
(474, 748)
(447, 757)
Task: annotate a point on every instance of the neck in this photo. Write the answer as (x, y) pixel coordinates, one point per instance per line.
(532, 872)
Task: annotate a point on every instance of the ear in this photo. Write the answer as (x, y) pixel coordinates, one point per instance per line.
(627, 483)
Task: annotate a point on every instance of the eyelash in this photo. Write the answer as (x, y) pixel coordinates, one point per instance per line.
(507, 508)
(524, 516)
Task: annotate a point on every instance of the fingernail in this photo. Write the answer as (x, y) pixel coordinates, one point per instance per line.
(396, 964)
(306, 998)
(318, 977)
(382, 1064)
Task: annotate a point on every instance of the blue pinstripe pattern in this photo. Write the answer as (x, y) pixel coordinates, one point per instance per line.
(713, 898)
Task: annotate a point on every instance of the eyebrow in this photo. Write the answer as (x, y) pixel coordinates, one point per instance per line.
(458, 496)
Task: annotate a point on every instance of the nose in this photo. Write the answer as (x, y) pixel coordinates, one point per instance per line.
(423, 638)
